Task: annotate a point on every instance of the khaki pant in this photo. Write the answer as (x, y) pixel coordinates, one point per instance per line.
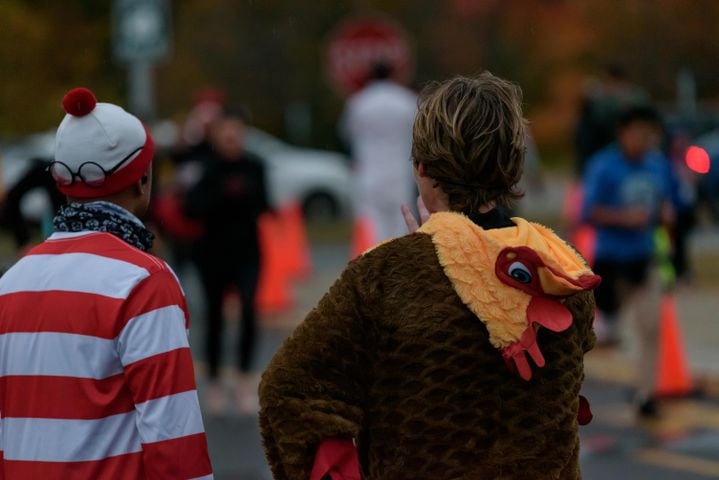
(641, 305)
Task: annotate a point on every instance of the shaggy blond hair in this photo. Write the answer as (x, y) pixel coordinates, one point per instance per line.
(469, 134)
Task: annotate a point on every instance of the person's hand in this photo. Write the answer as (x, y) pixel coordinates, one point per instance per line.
(636, 217)
(668, 214)
(412, 223)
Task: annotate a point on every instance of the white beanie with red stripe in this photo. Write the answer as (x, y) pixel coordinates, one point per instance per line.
(100, 149)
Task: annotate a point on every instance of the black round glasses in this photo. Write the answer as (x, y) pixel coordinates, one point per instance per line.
(91, 174)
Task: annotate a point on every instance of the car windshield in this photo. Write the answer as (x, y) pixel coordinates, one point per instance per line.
(262, 143)
(40, 145)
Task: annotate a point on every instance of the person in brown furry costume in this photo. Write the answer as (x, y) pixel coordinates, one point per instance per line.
(455, 352)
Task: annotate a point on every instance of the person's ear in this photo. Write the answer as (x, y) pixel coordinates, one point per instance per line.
(142, 185)
(421, 169)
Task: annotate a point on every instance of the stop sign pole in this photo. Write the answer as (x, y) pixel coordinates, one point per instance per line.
(141, 32)
(141, 99)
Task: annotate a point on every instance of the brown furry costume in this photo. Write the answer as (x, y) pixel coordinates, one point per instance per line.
(393, 358)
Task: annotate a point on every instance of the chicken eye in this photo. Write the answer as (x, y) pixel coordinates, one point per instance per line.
(520, 272)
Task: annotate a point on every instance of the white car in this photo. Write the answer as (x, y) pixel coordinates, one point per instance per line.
(320, 180)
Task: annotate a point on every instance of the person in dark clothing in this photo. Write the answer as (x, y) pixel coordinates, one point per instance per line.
(601, 106)
(11, 216)
(229, 199)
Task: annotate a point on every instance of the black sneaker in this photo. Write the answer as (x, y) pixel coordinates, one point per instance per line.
(648, 408)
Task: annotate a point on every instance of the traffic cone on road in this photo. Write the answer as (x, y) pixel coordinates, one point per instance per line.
(297, 250)
(362, 237)
(572, 204)
(583, 236)
(585, 240)
(673, 378)
(273, 292)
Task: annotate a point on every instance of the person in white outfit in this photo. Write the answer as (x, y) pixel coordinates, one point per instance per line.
(377, 123)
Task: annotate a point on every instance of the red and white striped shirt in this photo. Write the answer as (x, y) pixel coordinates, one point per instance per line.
(96, 375)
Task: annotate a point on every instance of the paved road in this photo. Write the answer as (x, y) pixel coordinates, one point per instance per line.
(684, 445)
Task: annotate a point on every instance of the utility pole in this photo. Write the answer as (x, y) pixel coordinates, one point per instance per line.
(141, 38)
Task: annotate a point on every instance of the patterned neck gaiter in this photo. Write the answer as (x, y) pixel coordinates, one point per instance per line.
(107, 217)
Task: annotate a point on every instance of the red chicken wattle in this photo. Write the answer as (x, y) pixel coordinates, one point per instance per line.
(336, 459)
(524, 269)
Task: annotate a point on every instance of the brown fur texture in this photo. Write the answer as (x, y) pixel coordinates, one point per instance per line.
(392, 358)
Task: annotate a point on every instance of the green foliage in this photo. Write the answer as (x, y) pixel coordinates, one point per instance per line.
(268, 54)
(45, 49)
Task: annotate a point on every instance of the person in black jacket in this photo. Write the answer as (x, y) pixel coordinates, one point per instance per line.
(229, 198)
(11, 218)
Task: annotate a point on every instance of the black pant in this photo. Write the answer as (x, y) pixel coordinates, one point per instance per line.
(216, 278)
(615, 275)
(686, 220)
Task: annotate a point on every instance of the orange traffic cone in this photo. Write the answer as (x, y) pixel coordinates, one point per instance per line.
(585, 240)
(273, 292)
(572, 205)
(673, 377)
(297, 250)
(362, 237)
(583, 236)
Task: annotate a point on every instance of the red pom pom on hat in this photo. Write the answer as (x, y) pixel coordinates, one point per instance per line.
(79, 102)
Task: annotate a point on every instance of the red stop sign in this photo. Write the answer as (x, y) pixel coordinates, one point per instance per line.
(356, 45)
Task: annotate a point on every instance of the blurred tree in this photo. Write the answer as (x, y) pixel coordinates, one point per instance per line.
(652, 40)
(269, 54)
(45, 49)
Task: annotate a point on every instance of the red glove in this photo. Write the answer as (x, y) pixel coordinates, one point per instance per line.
(584, 415)
(336, 458)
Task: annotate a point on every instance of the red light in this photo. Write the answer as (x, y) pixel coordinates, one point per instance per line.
(697, 159)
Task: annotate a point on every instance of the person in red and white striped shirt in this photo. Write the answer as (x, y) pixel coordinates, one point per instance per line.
(96, 375)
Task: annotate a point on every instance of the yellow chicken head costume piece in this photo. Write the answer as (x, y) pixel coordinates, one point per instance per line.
(514, 279)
